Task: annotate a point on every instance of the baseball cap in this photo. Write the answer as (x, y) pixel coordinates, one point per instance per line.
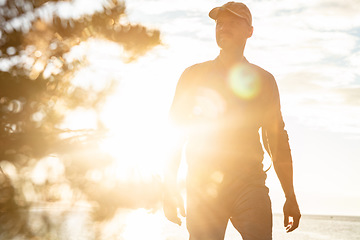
(237, 8)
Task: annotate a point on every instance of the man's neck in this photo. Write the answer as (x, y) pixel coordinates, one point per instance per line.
(229, 58)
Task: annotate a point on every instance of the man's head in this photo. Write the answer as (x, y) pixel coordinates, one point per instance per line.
(233, 25)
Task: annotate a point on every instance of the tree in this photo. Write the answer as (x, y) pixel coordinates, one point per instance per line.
(35, 93)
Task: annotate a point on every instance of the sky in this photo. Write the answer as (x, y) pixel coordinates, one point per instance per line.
(313, 50)
(311, 47)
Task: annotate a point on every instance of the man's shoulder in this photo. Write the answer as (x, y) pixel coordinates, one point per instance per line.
(200, 67)
(264, 74)
(267, 80)
(194, 73)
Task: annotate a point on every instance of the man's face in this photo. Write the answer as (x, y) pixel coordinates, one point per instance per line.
(232, 31)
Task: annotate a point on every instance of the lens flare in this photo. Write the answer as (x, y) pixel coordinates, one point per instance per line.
(243, 82)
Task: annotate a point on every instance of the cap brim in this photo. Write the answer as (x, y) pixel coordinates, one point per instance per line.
(214, 13)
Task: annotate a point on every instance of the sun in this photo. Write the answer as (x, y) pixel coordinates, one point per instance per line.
(140, 135)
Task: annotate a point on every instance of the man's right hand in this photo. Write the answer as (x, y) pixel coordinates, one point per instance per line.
(173, 202)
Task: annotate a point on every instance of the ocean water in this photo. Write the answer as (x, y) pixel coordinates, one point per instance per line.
(142, 224)
(312, 227)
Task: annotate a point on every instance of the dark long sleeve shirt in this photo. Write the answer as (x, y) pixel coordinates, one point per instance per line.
(220, 110)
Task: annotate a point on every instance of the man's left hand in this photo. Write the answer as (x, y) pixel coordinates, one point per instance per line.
(291, 214)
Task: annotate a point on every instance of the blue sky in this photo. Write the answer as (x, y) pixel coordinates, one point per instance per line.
(313, 50)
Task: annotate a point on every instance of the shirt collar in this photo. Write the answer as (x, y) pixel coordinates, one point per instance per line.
(220, 65)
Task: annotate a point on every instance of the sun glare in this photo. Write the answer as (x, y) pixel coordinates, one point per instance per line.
(140, 135)
(135, 114)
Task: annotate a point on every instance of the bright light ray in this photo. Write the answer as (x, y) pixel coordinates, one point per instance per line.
(136, 114)
(140, 135)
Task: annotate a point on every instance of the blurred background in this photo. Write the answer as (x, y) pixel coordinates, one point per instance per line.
(85, 87)
(65, 155)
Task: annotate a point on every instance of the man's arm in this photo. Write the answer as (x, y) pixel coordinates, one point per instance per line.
(284, 170)
(173, 202)
(277, 144)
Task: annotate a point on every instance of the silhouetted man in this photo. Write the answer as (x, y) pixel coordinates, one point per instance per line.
(220, 106)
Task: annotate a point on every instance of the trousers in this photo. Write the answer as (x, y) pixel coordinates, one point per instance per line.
(214, 200)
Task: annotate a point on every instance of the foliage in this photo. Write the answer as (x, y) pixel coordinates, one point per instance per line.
(36, 93)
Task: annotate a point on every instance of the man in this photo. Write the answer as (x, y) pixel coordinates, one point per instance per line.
(219, 107)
